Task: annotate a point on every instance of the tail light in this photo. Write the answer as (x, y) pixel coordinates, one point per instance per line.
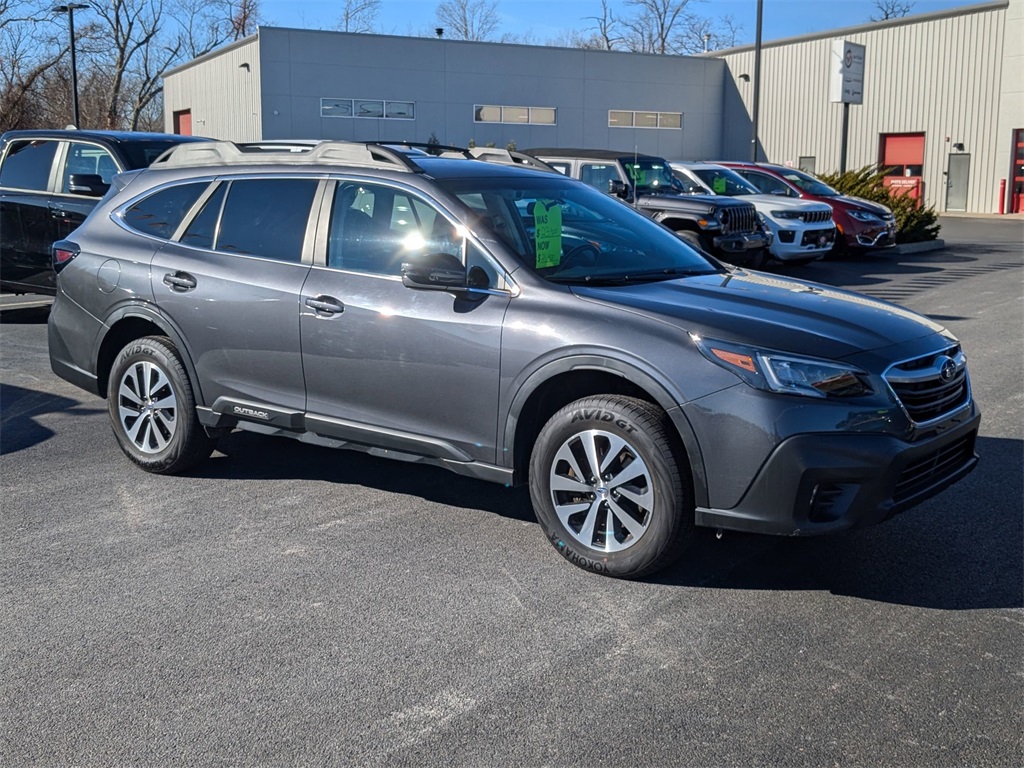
(62, 253)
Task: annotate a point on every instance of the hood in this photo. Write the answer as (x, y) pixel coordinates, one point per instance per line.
(779, 203)
(668, 201)
(865, 205)
(771, 312)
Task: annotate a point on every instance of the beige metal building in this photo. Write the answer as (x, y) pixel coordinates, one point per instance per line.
(942, 104)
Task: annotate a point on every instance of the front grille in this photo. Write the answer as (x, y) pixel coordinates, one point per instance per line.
(813, 217)
(930, 469)
(932, 386)
(739, 220)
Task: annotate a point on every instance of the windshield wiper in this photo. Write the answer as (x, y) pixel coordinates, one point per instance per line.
(648, 276)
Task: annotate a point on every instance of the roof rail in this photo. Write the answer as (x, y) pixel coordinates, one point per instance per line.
(508, 156)
(369, 155)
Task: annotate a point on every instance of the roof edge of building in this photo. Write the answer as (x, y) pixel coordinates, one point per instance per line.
(991, 5)
(214, 53)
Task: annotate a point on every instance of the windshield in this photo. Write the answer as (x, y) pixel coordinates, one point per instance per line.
(808, 183)
(722, 181)
(568, 232)
(651, 174)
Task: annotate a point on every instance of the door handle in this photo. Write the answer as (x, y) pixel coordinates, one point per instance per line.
(180, 281)
(326, 304)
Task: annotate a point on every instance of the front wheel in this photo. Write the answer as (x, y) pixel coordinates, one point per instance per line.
(152, 408)
(610, 490)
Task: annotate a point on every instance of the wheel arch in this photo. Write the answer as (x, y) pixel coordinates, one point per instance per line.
(128, 324)
(563, 381)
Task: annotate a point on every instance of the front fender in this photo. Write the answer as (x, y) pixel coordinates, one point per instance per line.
(660, 390)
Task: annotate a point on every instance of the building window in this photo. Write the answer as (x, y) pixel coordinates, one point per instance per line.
(489, 113)
(375, 109)
(618, 118)
(807, 164)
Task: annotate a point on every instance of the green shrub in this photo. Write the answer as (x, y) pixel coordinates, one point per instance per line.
(913, 224)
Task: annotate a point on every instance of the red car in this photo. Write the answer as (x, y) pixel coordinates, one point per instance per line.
(860, 224)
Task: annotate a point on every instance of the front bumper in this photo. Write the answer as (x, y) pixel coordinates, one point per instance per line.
(740, 243)
(802, 243)
(871, 236)
(821, 483)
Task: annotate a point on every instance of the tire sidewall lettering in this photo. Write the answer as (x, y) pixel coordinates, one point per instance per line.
(574, 557)
(602, 416)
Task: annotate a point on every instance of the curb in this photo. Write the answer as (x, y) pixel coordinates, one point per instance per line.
(922, 247)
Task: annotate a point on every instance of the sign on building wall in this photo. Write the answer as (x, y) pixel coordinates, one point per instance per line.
(846, 66)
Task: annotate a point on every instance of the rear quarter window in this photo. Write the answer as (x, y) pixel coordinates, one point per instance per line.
(160, 214)
(27, 165)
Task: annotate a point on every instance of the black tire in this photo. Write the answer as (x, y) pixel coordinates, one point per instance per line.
(635, 519)
(167, 439)
(693, 239)
(756, 259)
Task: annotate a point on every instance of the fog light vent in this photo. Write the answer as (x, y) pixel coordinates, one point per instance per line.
(829, 501)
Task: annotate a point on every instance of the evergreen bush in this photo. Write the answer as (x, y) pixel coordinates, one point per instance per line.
(913, 224)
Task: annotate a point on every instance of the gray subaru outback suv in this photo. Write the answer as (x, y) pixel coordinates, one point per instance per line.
(508, 324)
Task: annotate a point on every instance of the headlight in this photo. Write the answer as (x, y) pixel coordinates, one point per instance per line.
(788, 374)
(864, 216)
(785, 214)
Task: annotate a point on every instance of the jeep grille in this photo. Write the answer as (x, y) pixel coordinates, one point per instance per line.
(740, 220)
(813, 217)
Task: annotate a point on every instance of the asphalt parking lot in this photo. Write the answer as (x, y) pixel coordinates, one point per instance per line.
(292, 605)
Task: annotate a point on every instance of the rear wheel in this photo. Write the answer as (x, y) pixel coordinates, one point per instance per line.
(610, 490)
(153, 410)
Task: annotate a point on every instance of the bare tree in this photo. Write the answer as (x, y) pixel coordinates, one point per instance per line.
(468, 19)
(32, 45)
(605, 31)
(359, 16)
(892, 9)
(654, 25)
(698, 34)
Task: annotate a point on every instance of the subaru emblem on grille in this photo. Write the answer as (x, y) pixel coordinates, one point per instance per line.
(948, 370)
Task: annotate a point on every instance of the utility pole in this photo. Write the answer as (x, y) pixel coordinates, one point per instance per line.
(757, 82)
(70, 9)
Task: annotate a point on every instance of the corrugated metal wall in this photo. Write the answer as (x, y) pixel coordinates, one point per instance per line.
(940, 76)
(223, 91)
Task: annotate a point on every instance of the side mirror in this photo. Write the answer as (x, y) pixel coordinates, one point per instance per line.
(618, 188)
(90, 184)
(437, 271)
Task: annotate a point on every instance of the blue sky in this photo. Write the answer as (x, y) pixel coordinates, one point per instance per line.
(543, 20)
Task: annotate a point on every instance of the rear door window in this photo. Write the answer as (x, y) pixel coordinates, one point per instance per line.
(27, 165)
(598, 175)
(767, 184)
(266, 217)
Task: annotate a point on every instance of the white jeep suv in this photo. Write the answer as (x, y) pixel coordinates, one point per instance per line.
(803, 230)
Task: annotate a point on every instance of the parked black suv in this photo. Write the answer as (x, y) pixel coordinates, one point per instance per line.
(724, 227)
(505, 323)
(49, 181)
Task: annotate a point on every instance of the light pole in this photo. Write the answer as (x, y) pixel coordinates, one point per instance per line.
(70, 9)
